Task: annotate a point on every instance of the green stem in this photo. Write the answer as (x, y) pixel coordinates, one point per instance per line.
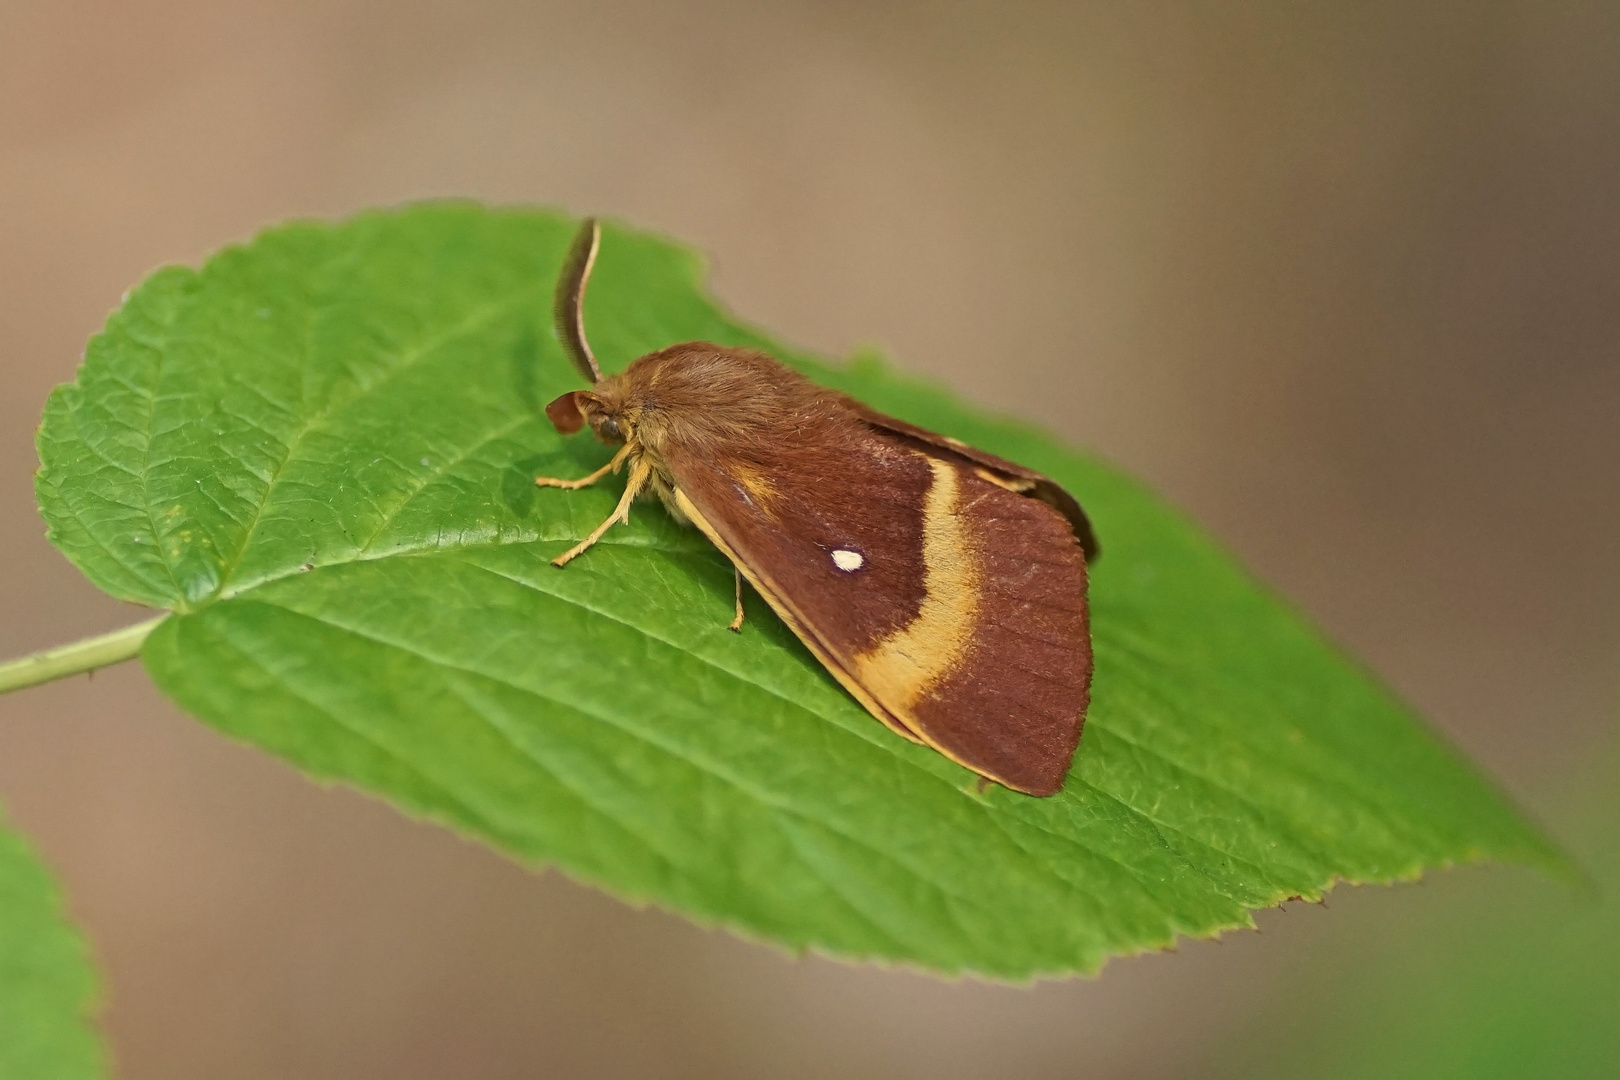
(86, 655)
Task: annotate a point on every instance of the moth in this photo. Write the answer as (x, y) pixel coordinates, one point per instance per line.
(944, 587)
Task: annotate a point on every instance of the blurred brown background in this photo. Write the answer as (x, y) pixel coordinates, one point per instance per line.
(1342, 280)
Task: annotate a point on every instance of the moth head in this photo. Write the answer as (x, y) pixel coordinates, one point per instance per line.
(601, 406)
(578, 408)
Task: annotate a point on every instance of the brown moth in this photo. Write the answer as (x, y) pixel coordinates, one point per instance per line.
(944, 587)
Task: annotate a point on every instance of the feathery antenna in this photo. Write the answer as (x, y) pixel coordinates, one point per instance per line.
(568, 306)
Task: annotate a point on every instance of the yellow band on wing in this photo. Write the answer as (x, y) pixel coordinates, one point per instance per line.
(902, 668)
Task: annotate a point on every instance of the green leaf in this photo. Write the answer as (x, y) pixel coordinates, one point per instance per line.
(1472, 979)
(47, 989)
(318, 451)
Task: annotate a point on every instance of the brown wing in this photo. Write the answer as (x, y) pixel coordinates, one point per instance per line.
(1041, 487)
(953, 608)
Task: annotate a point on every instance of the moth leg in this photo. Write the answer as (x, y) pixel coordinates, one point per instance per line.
(736, 624)
(586, 481)
(639, 472)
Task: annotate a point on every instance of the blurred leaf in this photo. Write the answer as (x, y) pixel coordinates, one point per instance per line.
(47, 989)
(318, 451)
(1485, 977)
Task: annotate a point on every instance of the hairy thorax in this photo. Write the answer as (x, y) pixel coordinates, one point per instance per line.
(706, 399)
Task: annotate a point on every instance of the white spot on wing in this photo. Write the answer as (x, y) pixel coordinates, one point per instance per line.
(847, 561)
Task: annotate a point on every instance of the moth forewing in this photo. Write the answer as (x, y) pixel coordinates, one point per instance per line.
(963, 623)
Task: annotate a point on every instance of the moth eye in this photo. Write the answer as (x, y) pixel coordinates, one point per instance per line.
(847, 561)
(610, 428)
